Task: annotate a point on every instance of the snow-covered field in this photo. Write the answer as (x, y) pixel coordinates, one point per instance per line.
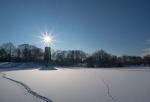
(77, 85)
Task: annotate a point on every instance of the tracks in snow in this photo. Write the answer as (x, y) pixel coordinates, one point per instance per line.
(29, 90)
(108, 90)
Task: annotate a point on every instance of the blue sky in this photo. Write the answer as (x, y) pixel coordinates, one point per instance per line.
(117, 26)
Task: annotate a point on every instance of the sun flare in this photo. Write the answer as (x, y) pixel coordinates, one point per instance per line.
(47, 39)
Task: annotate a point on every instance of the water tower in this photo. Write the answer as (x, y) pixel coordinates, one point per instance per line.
(47, 54)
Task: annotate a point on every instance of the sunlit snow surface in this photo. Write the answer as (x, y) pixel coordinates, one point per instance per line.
(79, 85)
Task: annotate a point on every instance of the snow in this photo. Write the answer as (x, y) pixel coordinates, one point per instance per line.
(11, 92)
(9, 66)
(78, 85)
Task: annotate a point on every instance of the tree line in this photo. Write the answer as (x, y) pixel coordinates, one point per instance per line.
(100, 58)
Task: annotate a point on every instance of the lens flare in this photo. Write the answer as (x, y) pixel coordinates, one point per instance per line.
(47, 39)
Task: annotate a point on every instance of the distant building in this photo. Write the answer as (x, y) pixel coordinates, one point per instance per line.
(47, 54)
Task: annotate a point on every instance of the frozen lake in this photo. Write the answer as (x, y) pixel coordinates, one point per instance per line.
(78, 85)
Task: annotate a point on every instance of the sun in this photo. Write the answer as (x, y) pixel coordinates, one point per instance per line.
(47, 39)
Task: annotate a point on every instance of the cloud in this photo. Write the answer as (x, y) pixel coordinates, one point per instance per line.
(146, 52)
(148, 42)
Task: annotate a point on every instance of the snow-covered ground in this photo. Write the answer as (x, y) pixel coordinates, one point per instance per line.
(9, 66)
(78, 85)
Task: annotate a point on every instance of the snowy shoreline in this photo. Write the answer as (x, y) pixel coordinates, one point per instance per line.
(8, 66)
